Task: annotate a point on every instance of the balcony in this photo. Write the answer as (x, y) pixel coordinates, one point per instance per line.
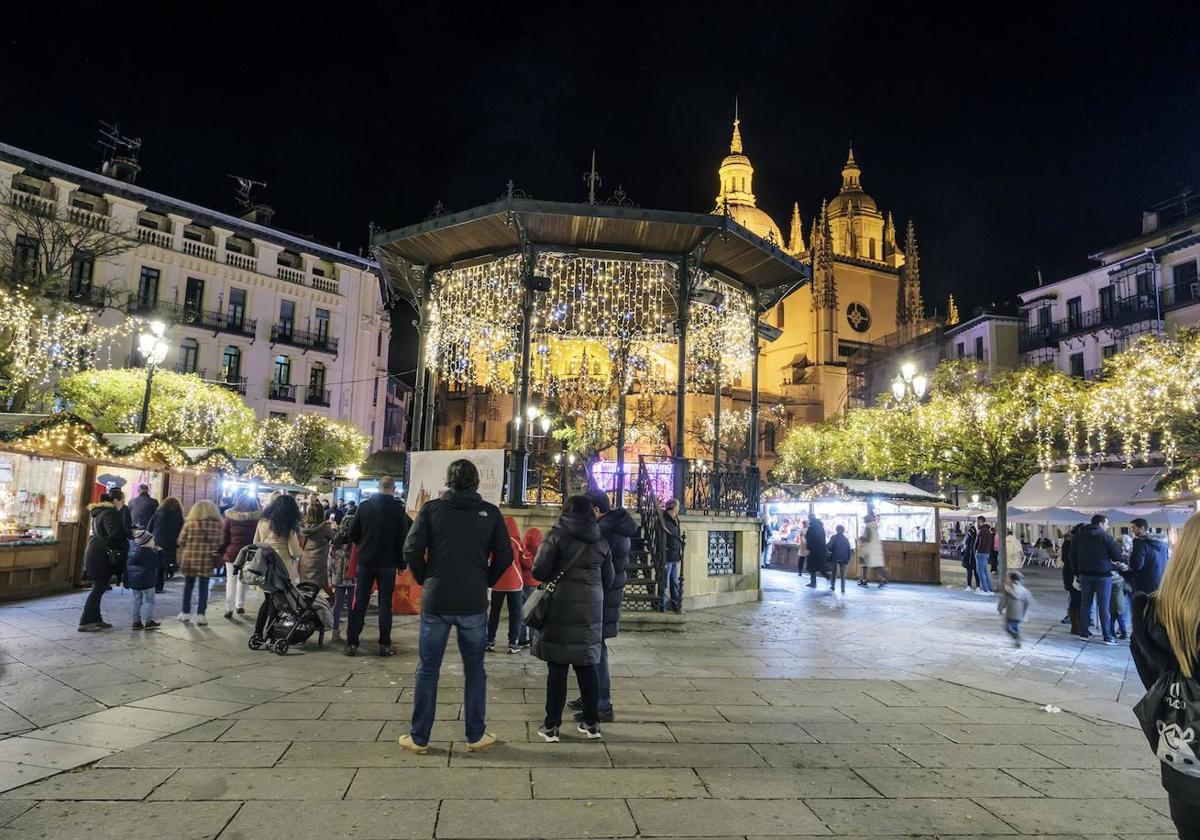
(191, 316)
(200, 249)
(88, 218)
(237, 384)
(290, 275)
(31, 202)
(161, 238)
(285, 333)
(316, 396)
(88, 296)
(1121, 314)
(282, 391)
(185, 369)
(242, 261)
(325, 284)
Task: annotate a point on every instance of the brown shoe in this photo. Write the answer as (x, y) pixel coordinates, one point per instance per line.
(487, 740)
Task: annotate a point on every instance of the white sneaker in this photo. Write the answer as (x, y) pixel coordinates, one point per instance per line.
(184, 616)
(201, 619)
(968, 589)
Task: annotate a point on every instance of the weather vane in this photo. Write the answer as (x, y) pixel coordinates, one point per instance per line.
(592, 179)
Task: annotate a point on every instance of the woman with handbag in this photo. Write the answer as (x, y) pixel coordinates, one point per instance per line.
(1166, 650)
(567, 614)
(105, 555)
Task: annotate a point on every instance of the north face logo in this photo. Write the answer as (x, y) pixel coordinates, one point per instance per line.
(483, 513)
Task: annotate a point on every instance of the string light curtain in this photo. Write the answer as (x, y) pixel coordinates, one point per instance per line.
(722, 331)
(475, 323)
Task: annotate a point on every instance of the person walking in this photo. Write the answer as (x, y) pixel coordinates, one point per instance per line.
(447, 551)
(1013, 604)
(618, 528)
(1094, 555)
(316, 534)
(967, 554)
(818, 551)
(141, 574)
(237, 532)
(672, 583)
(800, 537)
(1166, 639)
(164, 527)
(379, 529)
(107, 548)
(142, 508)
(1014, 549)
(509, 589)
(342, 571)
(985, 541)
(200, 543)
(279, 528)
(839, 556)
(577, 558)
(870, 553)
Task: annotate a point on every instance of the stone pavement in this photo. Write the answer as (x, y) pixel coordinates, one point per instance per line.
(896, 712)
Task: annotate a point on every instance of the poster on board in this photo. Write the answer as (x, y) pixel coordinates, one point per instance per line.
(427, 474)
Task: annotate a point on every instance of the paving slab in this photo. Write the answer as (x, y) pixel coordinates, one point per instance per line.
(832, 755)
(807, 783)
(740, 733)
(704, 698)
(210, 731)
(155, 720)
(690, 817)
(622, 783)
(975, 755)
(780, 714)
(1082, 756)
(198, 754)
(1083, 784)
(871, 733)
(361, 754)
(53, 754)
(668, 714)
(256, 783)
(1000, 733)
(440, 783)
(461, 819)
(932, 783)
(540, 754)
(95, 784)
(90, 734)
(906, 817)
(342, 694)
(384, 820)
(187, 705)
(683, 755)
(15, 775)
(123, 820)
(302, 730)
(1058, 816)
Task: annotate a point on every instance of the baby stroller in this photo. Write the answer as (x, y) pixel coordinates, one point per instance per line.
(292, 612)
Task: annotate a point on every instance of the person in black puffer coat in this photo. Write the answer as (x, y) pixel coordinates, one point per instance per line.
(105, 555)
(165, 525)
(818, 551)
(573, 634)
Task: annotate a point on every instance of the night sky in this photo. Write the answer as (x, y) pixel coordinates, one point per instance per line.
(1014, 139)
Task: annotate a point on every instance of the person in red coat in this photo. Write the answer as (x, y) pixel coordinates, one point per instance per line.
(509, 589)
(533, 541)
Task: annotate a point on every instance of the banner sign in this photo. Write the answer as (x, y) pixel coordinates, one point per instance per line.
(427, 474)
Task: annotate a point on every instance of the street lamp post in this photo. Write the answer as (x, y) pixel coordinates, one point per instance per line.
(909, 382)
(153, 350)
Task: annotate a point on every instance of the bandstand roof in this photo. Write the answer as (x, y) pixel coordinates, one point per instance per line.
(732, 251)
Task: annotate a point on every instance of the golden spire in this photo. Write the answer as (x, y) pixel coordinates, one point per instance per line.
(735, 145)
(796, 234)
(952, 316)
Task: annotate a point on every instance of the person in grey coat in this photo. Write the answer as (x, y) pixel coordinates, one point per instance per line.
(573, 634)
(1013, 604)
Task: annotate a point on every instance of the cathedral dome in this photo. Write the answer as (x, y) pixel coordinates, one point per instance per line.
(756, 221)
(737, 192)
(851, 198)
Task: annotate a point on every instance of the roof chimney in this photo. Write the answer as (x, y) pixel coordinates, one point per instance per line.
(259, 214)
(121, 169)
(1149, 221)
(120, 153)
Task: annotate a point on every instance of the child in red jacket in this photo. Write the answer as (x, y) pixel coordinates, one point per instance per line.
(510, 589)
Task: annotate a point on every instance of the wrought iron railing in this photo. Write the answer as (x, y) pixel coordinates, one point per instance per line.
(723, 489)
(644, 575)
(285, 333)
(282, 391)
(236, 384)
(316, 396)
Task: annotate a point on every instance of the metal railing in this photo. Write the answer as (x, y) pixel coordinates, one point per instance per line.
(182, 367)
(286, 333)
(191, 316)
(647, 556)
(316, 396)
(281, 391)
(723, 489)
(1124, 312)
(234, 383)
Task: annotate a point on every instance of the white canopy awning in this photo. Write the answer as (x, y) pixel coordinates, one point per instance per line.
(1095, 490)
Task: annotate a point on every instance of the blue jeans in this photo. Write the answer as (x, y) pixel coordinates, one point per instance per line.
(672, 587)
(981, 571)
(604, 703)
(143, 605)
(1013, 627)
(431, 647)
(201, 584)
(1098, 588)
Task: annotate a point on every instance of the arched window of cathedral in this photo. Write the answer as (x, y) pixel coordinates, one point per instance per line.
(779, 315)
(509, 434)
(769, 438)
(458, 435)
(872, 249)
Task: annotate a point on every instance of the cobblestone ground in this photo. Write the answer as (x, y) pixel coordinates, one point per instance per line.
(896, 712)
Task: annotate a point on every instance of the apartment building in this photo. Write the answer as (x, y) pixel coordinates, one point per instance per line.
(1147, 285)
(289, 323)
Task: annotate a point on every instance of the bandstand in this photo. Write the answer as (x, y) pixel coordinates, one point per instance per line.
(616, 326)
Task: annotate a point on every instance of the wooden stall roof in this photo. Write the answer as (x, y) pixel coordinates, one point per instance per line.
(732, 250)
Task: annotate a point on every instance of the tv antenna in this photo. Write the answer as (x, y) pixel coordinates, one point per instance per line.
(245, 186)
(117, 144)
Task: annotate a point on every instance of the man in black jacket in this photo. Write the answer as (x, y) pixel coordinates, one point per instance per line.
(448, 549)
(1095, 556)
(142, 508)
(379, 530)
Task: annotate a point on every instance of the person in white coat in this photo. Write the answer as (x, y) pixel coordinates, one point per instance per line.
(870, 553)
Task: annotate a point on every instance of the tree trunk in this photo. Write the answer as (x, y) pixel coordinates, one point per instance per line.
(1002, 531)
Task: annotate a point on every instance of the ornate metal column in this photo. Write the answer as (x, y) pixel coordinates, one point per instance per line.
(416, 437)
(682, 295)
(518, 476)
(716, 455)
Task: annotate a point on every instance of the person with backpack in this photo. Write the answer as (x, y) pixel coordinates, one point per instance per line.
(1166, 651)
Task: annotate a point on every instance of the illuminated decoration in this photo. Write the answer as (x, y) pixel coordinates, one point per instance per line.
(723, 331)
(309, 445)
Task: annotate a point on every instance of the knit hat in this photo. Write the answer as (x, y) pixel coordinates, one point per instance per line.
(141, 537)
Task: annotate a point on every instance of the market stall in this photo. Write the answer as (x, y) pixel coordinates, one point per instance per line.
(908, 523)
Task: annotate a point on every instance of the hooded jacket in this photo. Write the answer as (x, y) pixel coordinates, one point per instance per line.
(818, 551)
(1152, 654)
(238, 531)
(379, 529)
(109, 542)
(448, 549)
(141, 508)
(1094, 551)
(1147, 562)
(314, 553)
(839, 549)
(574, 627)
(1014, 601)
(165, 525)
(617, 527)
(141, 569)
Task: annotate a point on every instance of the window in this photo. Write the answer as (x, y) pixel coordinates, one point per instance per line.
(25, 254)
(458, 435)
(1075, 313)
(769, 438)
(378, 335)
(316, 380)
(231, 364)
(189, 354)
(148, 288)
(375, 393)
(1043, 319)
(979, 347)
(82, 268)
(237, 307)
(1108, 351)
(322, 326)
(193, 298)
(287, 317)
(1145, 282)
(960, 350)
(779, 315)
(283, 370)
(1184, 278)
(1077, 365)
(1106, 303)
(871, 247)
(192, 235)
(278, 415)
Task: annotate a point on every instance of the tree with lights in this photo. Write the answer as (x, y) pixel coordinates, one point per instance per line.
(184, 409)
(310, 445)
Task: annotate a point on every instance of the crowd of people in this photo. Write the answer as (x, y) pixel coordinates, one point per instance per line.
(827, 557)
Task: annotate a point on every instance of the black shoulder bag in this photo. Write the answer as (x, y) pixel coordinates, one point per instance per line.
(536, 609)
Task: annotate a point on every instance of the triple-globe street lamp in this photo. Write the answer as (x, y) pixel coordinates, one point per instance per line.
(909, 382)
(153, 349)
